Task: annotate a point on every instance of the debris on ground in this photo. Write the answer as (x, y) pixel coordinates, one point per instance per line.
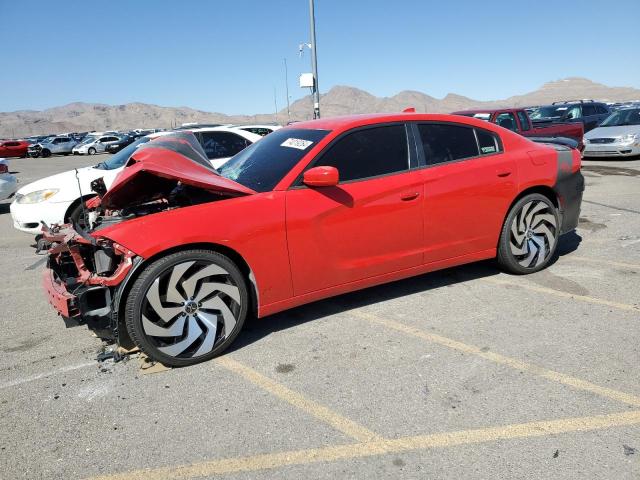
(629, 450)
(148, 366)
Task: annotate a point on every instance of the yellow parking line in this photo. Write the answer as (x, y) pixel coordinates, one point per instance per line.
(337, 421)
(380, 447)
(503, 360)
(601, 261)
(559, 293)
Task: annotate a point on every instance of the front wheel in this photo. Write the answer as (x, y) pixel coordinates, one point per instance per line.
(529, 235)
(91, 151)
(187, 307)
(46, 153)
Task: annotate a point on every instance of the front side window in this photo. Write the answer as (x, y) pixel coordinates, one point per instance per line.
(368, 153)
(445, 143)
(588, 110)
(222, 144)
(524, 121)
(573, 113)
(507, 120)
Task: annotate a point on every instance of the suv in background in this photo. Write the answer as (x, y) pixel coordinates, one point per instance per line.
(61, 145)
(587, 112)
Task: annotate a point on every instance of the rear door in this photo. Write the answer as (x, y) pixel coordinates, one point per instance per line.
(469, 184)
(370, 224)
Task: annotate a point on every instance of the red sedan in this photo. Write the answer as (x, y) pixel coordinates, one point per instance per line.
(179, 254)
(13, 148)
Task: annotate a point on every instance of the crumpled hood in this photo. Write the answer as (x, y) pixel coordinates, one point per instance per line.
(155, 167)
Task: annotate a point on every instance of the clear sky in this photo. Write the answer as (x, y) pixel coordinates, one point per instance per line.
(227, 55)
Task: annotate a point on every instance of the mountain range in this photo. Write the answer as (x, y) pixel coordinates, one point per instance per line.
(340, 100)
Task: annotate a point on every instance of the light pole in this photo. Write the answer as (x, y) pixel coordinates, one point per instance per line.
(286, 86)
(314, 61)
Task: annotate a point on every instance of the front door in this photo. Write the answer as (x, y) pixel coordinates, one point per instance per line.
(369, 224)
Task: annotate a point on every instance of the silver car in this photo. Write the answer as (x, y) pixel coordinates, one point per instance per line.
(53, 145)
(92, 145)
(617, 136)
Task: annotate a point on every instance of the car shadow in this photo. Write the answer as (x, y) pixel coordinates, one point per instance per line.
(257, 329)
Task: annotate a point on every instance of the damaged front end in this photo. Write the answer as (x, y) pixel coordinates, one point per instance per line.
(86, 271)
(82, 276)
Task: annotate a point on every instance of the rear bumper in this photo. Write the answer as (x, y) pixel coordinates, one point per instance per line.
(570, 190)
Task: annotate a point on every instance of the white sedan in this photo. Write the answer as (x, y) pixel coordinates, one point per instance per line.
(58, 198)
(8, 183)
(617, 136)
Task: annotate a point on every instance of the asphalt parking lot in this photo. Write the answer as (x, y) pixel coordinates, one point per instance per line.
(465, 373)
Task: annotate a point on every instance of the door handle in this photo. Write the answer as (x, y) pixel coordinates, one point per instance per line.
(406, 197)
(504, 174)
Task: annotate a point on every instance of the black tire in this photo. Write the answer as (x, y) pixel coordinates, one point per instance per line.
(45, 153)
(163, 270)
(521, 249)
(91, 151)
(76, 216)
(66, 154)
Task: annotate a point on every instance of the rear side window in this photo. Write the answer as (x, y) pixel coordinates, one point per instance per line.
(524, 121)
(369, 153)
(223, 144)
(445, 143)
(588, 110)
(258, 130)
(488, 142)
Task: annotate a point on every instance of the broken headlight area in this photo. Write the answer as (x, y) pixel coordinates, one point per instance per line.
(82, 276)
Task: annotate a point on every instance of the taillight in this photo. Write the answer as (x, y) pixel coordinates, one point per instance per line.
(4, 168)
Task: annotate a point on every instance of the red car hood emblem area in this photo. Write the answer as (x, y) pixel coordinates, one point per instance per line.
(154, 169)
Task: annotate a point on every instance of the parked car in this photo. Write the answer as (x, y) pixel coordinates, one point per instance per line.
(13, 148)
(517, 120)
(92, 145)
(122, 142)
(179, 254)
(52, 145)
(617, 136)
(261, 130)
(222, 143)
(587, 112)
(8, 182)
(58, 198)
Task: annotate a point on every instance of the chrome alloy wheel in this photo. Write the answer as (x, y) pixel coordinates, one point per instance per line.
(534, 234)
(190, 308)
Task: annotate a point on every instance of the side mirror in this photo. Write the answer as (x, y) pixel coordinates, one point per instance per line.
(321, 177)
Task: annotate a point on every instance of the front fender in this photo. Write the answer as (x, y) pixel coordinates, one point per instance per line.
(253, 226)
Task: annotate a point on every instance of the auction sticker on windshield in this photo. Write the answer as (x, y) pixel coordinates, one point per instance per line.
(296, 143)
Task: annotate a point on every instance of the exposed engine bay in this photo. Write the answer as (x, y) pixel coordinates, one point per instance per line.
(86, 271)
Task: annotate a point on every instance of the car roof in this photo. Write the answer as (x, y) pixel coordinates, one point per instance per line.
(352, 121)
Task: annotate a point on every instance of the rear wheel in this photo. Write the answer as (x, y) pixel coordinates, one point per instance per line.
(529, 236)
(187, 307)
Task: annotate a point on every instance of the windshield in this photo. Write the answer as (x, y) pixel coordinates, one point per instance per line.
(553, 111)
(117, 160)
(262, 165)
(622, 117)
(87, 141)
